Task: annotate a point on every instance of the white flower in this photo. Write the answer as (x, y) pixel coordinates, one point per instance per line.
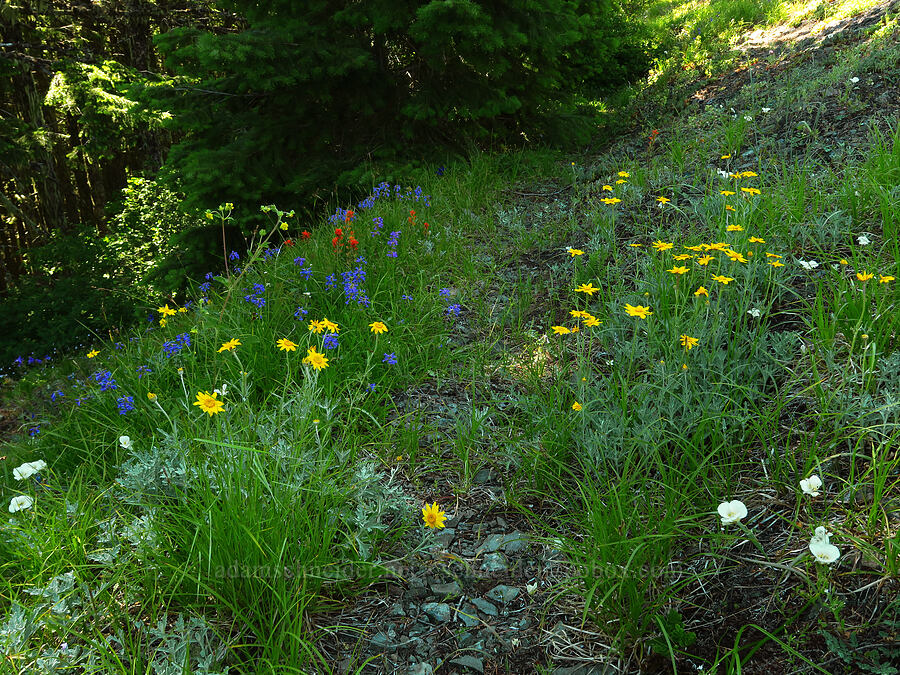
(732, 512)
(28, 469)
(863, 240)
(754, 313)
(822, 551)
(810, 265)
(811, 485)
(125, 442)
(821, 535)
(765, 110)
(222, 391)
(724, 174)
(748, 118)
(531, 589)
(854, 80)
(19, 503)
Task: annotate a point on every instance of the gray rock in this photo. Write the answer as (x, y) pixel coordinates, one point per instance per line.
(446, 590)
(582, 670)
(485, 475)
(491, 544)
(471, 662)
(420, 669)
(494, 562)
(381, 641)
(485, 606)
(397, 610)
(439, 611)
(514, 542)
(503, 593)
(419, 628)
(468, 615)
(445, 537)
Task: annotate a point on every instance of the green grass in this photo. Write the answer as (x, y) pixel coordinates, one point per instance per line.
(229, 539)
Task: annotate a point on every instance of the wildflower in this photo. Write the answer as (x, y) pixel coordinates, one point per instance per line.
(28, 469)
(91, 354)
(777, 263)
(576, 406)
(305, 234)
(221, 391)
(607, 188)
(756, 240)
(370, 387)
(315, 359)
(772, 255)
(734, 256)
(854, 80)
(682, 256)
(732, 512)
(209, 403)
(725, 157)
(390, 359)
(330, 341)
(765, 110)
(864, 276)
(575, 251)
(624, 174)
(750, 190)
(722, 279)
(433, 516)
(734, 228)
(452, 310)
(151, 396)
(843, 261)
(316, 326)
(811, 485)
(20, 503)
(579, 313)
(884, 278)
(678, 270)
(689, 342)
(610, 201)
(635, 245)
(662, 245)
(590, 289)
(234, 255)
(561, 330)
(620, 181)
(638, 310)
(663, 200)
(701, 291)
(330, 325)
(863, 240)
(748, 174)
(755, 313)
(230, 345)
(286, 345)
(591, 322)
(166, 310)
(125, 442)
(125, 404)
(808, 265)
(822, 550)
(705, 260)
(729, 207)
(378, 327)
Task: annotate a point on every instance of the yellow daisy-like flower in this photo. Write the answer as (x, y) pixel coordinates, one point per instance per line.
(705, 260)
(230, 345)
(286, 345)
(151, 396)
(729, 207)
(163, 322)
(433, 516)
(378, 327)
(166, 311)
(578, 313)
(735, 256)
(610, 200)
(772, 255)
(91, 354)
(682, 256)
(635, 245)
(330, 325)
(843, 261)
(725, 157)
(607, 188)
(592, 321)
(734, 228)
(575, 329)
(756, 240)
(661, 246)
(864, 276)
(722, 279)
(577, 406)
(561, 330)
(777, 263)
(701, 291)
(663, 200)
(316, 326)
(748, 174)
(182, 310)
(209, 403)
(727, 193)
(689, 342)
(575, 251)
(884, 278)
(624, 174)
(638, 310)
(620, 181)
(590, 289)
(718, 246)
(316, 359)
(750, 191)
(678, 270)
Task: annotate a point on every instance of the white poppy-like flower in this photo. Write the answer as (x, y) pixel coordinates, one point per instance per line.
(811, 485)
(125, 442)
(28, 469)
(808, 264)
(821, 535)
(723, 174)
(531, 589)
(755, 313)
(748, 118)
(854, 80)
(823, 551)
(732, 512)
(765, 110)
(20, 503)
(863, 240)
(222, 391)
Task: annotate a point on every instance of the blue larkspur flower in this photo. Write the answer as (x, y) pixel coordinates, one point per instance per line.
(330, 341)
(125, 404)
(390, 359)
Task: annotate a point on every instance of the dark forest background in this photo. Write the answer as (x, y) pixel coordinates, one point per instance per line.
(123, 121)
